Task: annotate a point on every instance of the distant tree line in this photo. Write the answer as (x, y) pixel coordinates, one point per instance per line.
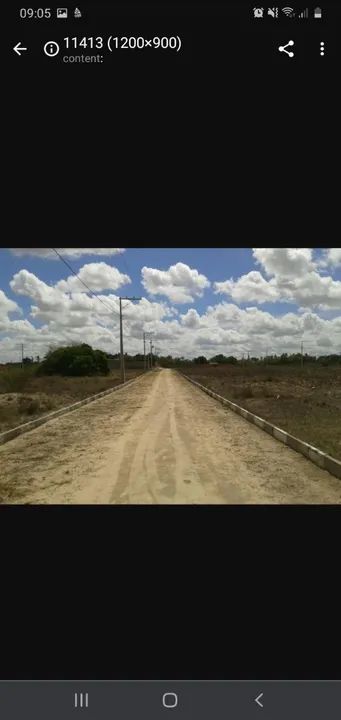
(139, 357)
(296, 358)
(283, 359)
(84, 360)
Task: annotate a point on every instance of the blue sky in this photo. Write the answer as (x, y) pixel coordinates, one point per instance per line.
(218, 264)
(195, 300)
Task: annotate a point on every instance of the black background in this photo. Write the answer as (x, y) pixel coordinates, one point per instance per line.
(170, 154)
(162, 152)
(170, 592)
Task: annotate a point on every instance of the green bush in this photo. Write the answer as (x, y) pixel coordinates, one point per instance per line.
(231, 360)
(101, 362)
(75, 360)
(83, 365)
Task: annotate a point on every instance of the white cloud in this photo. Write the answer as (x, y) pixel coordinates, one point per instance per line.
(324, 341)
(312, 290)
(7, 305)
(332, 257)
(228, 329)
(223, 328)
(65, 252)
(62, 318)
(294, 278)
(98, 276)
(59, 317)
(180, 283)
(191, 319)
(285, 262)
(249, 288)
(26, 283)
(224, 314)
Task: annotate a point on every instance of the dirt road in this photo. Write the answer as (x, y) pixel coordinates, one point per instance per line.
(159, 440)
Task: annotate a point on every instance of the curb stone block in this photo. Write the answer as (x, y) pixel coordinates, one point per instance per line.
(27, 427)
(318, 457)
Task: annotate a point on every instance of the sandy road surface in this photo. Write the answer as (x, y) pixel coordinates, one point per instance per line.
(159, 440)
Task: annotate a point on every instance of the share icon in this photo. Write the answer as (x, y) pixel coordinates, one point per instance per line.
(282, 48)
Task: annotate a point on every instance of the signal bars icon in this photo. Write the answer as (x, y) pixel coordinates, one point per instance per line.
(304, 14)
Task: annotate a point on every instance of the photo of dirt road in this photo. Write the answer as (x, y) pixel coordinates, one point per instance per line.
(170, 376)
(159, 440)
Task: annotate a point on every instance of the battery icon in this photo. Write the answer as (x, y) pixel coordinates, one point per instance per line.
(317, 13)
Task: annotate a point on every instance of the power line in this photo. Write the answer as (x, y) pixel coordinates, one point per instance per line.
(119, 314)
(83, 283)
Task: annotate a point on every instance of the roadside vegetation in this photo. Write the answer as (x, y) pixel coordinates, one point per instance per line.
(301, 394)
(303, 399)
(64, 376)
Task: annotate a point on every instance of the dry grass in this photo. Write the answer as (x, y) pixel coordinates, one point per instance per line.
(24, 397)
(304, 402)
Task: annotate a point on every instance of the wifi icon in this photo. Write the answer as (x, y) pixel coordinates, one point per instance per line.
(288, 11)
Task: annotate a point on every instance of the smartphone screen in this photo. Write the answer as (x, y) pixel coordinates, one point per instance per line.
(169, 388)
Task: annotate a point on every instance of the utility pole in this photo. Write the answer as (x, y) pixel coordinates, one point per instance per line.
(302, 354)
(123, 375)
(123, 379)
(22, 355)
(145, 364)
(146, 357)
(151, 354)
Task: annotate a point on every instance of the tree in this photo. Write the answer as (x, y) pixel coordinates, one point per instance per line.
(223, 359)
(200, 360)
(101, 362)
(75, 360)
(218, 358)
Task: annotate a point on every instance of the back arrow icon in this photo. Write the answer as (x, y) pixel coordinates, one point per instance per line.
(257, 700)
(18, 49)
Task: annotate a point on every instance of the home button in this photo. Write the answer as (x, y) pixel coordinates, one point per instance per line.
(169, 700)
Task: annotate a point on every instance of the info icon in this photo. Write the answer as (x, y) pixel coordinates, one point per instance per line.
(51, 48)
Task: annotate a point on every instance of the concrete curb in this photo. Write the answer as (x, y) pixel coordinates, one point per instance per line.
(27, 427)
(326, 462)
